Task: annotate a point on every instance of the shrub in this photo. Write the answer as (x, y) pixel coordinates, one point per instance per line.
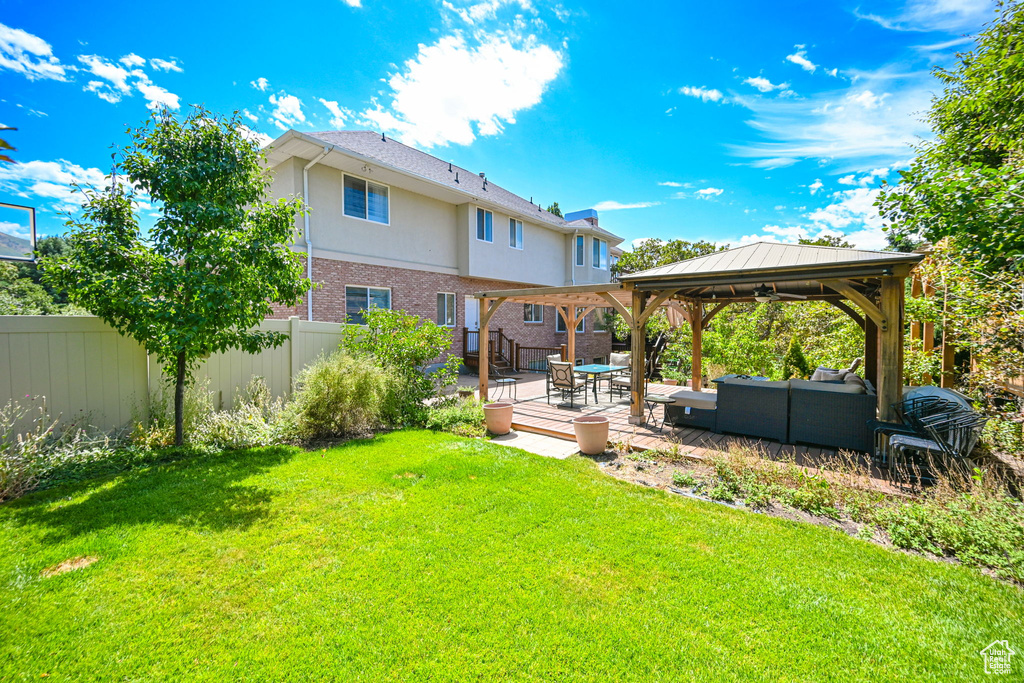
(252, 423)
(405, 346)
(463, 417)
(341, 395)
(794, 364)
(684, 479)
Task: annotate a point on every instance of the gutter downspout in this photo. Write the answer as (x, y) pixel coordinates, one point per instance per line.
(309, 243)
(572, 257)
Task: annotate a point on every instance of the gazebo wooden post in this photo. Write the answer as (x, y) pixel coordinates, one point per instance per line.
(483, 343)
(570, 327)
(890, 382)
(637, 360)
(697, 329)
(871, 351)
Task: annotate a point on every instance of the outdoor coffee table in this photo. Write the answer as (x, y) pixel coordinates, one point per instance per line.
(596, 371)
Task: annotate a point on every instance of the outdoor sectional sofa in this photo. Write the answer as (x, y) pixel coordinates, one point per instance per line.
(834, 414)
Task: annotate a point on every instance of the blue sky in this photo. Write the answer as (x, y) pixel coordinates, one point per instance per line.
(723, 121)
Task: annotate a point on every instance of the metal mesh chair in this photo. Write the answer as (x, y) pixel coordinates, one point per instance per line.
(565, 381)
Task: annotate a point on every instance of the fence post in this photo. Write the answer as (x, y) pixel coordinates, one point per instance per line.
(515, 356)
(565, 353)
(293, 345)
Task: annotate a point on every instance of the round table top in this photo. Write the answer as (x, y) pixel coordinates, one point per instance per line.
(506, 380)
(658, 398)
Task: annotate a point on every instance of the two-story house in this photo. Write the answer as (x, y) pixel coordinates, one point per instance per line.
(394, 227)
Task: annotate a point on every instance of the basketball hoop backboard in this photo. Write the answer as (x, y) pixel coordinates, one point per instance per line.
(17, 232)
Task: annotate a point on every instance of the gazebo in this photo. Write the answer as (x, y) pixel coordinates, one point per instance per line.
(866, 285)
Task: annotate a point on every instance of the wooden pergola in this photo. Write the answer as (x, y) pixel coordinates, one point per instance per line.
(866, 285)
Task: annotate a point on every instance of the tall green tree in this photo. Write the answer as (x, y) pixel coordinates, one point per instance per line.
(652, 253)
(827, 241)
(968, 181)
(555, 210)
(205, 274)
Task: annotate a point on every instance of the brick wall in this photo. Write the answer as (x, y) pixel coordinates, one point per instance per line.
(415, 291)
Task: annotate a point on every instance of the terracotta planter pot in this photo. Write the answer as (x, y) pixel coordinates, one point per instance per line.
(591, 434)
(498, 417)
(670, 382)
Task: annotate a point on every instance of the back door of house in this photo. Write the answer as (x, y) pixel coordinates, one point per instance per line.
(472, 313)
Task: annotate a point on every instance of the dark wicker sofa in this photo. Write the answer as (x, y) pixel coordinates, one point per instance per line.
(833, 414)
(753, 408)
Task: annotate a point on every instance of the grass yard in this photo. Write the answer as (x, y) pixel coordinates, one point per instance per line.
(421, 556)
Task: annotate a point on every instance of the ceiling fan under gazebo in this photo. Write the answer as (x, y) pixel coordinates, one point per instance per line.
(764, 294)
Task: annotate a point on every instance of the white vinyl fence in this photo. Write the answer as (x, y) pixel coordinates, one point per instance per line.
(84, 367)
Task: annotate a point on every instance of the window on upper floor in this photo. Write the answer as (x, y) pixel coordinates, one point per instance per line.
(446, 309)
(600, 254)
(359, 299)
(367, 200)
(484, 225)
(602, 319)
(515, 233)
(581, 325)
(533, 313)
(579, 250)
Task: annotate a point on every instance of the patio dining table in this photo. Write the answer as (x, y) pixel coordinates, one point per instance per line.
(597, 370)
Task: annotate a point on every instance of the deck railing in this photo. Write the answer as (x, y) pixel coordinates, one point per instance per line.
(535, 358)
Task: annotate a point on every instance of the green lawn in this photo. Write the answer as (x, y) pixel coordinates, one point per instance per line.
(418, 556)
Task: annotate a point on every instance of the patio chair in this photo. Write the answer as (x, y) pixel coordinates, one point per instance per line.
(553, 358)
(565, 381)
(621, 381)
(911, 413)
(947, 446)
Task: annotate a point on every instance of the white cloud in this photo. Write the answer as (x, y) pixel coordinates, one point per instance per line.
(165, 65)
(260, 84)
(702, 93)
(29, 55)
(800, 59)
(867, 179)
(487, 9)
(874, 121)
(157, 97)
(854, 213)
(764, 85)
(15, 229)
(670, 183)
(287, 111)
(103, 90)
(132, 60)
(615, 206)
(249, 115)
(116, 76)
(249, 134)
(49, 179)
(709, 192)
(452, 91)
(338, 114)
(934, 15)
(353, 3)
(815, 186)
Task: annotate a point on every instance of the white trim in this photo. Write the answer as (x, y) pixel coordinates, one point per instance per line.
(534, 322)
(455, 310)
(520, 233)
(597, 241)
(345, 174)
(476, 225)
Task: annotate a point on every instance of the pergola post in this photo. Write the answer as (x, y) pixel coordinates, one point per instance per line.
(570, 327)
(483, 344)
(697, 329)
(890, 382)
(637, 360)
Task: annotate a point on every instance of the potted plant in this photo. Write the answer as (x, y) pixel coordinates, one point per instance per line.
(498, 417)
(591, 433)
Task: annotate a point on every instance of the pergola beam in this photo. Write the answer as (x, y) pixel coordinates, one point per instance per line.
(848, 310)
(845, 287)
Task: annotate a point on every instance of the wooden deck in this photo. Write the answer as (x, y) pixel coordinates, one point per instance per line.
(534, 414)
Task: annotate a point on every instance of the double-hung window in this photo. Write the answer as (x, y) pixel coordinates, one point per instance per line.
(366, 200)
(580, 325)
(533, 313)
(515, 233)
(484, 225)
(602, 319)
(446, 309)
(579, 250)
(358, 300)
(600, 254)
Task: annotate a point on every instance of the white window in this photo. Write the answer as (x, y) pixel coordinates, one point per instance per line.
(601, 318)
(446, 309)
(515, 233)
(366, 200)
(533, 313)
(360, 299)
(484, 226)
(600, 254)
(580, 325)
(579, 250)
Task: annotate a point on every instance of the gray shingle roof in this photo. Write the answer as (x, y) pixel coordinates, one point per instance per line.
(405, 158)
(769, 256)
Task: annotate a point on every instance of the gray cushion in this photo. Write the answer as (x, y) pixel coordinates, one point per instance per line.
(735, 381)
(854, 380)
(831, 387)
(555, 358)
(618, 359)
(824, 374)
(706, 400)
